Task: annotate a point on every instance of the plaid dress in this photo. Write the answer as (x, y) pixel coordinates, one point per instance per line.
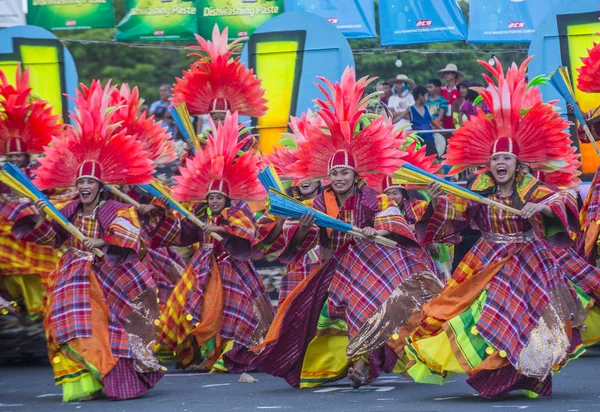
(515, 282)
(242, 313)
(126, 283)
(589, 217)
(356, 278)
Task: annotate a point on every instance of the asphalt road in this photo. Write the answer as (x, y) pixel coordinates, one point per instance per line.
(30, 388)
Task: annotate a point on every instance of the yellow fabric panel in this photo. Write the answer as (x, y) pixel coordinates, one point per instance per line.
(325, 360)
(29, 287)
(437, 352)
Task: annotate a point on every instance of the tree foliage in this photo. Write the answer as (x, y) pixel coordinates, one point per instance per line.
(150, 67)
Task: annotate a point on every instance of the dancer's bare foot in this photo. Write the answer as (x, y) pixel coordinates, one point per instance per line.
(355, 377)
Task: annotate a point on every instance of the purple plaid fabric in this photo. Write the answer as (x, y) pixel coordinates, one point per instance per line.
(584, 275)
(241, 286)
(123, 382)
(163, 261)
(498, 383)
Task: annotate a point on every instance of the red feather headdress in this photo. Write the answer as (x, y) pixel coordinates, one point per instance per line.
(219, 168)
(520, 124)
(92, 147)
(588, 80)
(565, 177)
(155, 138)
(346, 138)
(283, 157)
(217, 81)
(26, 124)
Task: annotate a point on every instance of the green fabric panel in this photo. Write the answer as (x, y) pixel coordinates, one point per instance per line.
(471, 346)
(552, 226)
(325, 322)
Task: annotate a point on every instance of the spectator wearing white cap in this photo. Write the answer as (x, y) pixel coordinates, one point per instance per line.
(400, 102)
(452, 76)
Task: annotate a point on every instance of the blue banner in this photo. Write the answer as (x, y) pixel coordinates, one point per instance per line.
(354, 18)
(506, 21)
(420, 21)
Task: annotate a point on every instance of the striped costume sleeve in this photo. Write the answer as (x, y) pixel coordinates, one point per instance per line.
(174, 230)
(48, 234)
(124, 231)
(452, 215)
(239, 222)
(293, 252)
(417, 209)
(557, 230)
(390, 219)
(264, 226)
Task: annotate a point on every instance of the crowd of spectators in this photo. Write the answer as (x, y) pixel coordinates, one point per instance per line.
(434, 110)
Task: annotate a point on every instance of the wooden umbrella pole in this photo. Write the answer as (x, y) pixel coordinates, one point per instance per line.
(77, 233)
(498, 205)
(383, 241)
(202, 226)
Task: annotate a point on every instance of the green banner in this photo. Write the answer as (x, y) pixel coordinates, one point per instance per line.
(241, 16)
(156, 20)
(70, 14)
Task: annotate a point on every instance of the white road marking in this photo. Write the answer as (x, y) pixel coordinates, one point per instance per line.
(269, 407)
(326, 390)
(503, 406)
(215, 384)
(8, 405)
(446, 398)
(365, 388)
(49, 395)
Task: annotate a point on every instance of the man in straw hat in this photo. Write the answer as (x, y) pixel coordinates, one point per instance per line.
(450, 91)
(400, 102)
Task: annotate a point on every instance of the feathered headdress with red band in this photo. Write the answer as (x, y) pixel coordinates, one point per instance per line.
(219, 168)
(155, 138)
(520, 124)
(26, 124)
(93, 148)
(348, 138)
(219, 82)
(588, 80)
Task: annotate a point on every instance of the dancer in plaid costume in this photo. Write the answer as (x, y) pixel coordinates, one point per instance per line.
(413, 204)
(509, 316)
(166, 263)
(589, 242)
(586, 277)
(101, 311)
(220, 303)
(342, 314)
(26, 126)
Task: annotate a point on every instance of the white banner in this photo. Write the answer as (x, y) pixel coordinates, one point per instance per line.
(11, 13)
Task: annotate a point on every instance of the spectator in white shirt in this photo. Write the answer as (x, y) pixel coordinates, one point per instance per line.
(400, 102)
